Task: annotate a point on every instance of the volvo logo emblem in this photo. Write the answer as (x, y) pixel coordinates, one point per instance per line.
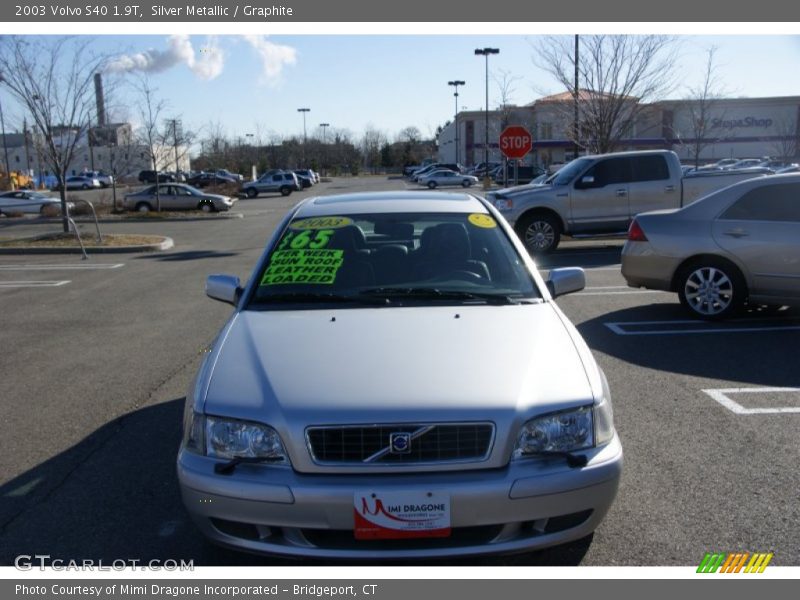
(400, 443)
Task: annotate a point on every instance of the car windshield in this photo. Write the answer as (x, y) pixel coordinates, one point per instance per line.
(393, 259)
(569, 171)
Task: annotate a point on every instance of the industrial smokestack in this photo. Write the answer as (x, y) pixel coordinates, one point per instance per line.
(101, 104)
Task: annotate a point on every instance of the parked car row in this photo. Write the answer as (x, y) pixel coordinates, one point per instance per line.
(775, 165)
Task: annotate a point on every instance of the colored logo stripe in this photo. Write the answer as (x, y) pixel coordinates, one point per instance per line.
(734, 562)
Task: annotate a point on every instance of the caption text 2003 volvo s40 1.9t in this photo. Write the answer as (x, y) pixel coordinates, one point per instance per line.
(397, 382)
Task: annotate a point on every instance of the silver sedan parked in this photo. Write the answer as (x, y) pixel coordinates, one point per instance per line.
(737, 246)
(445, 177)
(176, 196)
(396, 382)
(30, 202)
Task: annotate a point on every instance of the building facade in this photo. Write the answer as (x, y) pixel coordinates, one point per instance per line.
(730, 128)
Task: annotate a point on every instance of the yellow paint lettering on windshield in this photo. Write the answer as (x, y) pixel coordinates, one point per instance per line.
(320, 223)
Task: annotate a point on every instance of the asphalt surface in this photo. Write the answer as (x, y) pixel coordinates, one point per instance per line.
(97, 355)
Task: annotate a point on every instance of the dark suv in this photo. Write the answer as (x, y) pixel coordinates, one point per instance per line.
(150, 177)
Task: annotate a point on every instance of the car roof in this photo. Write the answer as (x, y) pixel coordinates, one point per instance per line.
(391, 202)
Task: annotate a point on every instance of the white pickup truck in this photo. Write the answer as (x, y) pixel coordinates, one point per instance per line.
(600, 194)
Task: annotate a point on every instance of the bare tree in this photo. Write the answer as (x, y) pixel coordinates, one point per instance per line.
(787, 146)
(618, 76)
(151, 136)
(703, 107)
(371, 144)
(53, 79)
(505, 89)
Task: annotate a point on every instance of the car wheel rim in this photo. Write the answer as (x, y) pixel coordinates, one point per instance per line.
(540, 235)
(206, 208)
(708, 291)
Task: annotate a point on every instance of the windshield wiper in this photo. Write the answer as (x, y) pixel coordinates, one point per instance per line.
(437, 294)
(230, 466)
(300, 297)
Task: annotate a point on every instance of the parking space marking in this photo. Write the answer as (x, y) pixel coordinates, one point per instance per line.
(722, 396)
(32, 284)
(695, 326)
(624, 290)
(67, 267)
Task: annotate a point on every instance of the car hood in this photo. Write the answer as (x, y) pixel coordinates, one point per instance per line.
(396, 364)
(524, 189)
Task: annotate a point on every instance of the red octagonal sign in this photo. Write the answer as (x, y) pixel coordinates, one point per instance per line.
(515, 141)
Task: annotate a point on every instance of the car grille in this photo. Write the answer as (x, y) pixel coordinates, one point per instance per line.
(428, 443)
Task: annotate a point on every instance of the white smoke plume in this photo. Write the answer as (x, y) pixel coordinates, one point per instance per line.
(273, 56)
(207, 64)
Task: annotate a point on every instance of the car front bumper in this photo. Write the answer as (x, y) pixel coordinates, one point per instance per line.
(525, 506)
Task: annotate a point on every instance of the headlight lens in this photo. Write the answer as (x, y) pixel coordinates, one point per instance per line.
(229, 438)
(565, 431)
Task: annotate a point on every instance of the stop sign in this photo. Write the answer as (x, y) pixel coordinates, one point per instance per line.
(515, 141)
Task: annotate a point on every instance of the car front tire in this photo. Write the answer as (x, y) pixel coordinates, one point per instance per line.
(540, 232)
(432, 185)
(252, 192)
(711, 289)
(286, 190)
(143, 207)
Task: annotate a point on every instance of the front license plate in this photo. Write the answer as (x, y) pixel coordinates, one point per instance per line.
(401, 515)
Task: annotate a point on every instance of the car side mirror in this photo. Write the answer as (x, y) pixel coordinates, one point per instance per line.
(566, 281)
(225, 288)
(587, 181)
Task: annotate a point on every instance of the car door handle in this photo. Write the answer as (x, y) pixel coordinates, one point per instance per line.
(669, 188)
(622, 193)
(736, 233)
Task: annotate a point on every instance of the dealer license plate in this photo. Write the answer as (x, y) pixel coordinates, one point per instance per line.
(400, 515)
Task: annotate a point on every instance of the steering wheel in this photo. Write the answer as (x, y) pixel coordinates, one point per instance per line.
(463, 275)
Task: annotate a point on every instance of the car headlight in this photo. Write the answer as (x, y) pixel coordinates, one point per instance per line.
(231, 438)
(564, 431)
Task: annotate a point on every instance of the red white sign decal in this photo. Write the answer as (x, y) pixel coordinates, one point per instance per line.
(401, 515)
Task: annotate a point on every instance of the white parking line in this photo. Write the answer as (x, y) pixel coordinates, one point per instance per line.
(32, 284)
(618, 328)
(66, 267)
(588, 291)
(722, 396)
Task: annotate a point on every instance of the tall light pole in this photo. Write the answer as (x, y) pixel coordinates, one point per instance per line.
(456, 83)
(486, 52)
(304, 111)
(324, 149)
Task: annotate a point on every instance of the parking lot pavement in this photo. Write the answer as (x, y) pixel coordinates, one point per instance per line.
(94, 374)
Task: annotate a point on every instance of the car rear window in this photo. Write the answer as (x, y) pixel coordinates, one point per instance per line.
(347, 254)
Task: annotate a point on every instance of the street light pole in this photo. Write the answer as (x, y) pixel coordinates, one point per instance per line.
(486, 52)
(456, 83)
(304, 111)
(324, 149)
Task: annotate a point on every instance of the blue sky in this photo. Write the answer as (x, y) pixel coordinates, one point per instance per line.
(254, 84)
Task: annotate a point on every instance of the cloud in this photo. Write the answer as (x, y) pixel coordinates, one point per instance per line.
(208, 65)
(274, 57)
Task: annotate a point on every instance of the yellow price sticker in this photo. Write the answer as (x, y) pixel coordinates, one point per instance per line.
(480, 220)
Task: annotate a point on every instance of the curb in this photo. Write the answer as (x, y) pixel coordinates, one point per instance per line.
(166, 244)
(84, 220)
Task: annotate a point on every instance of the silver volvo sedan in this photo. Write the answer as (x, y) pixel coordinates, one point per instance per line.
(396, 381)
